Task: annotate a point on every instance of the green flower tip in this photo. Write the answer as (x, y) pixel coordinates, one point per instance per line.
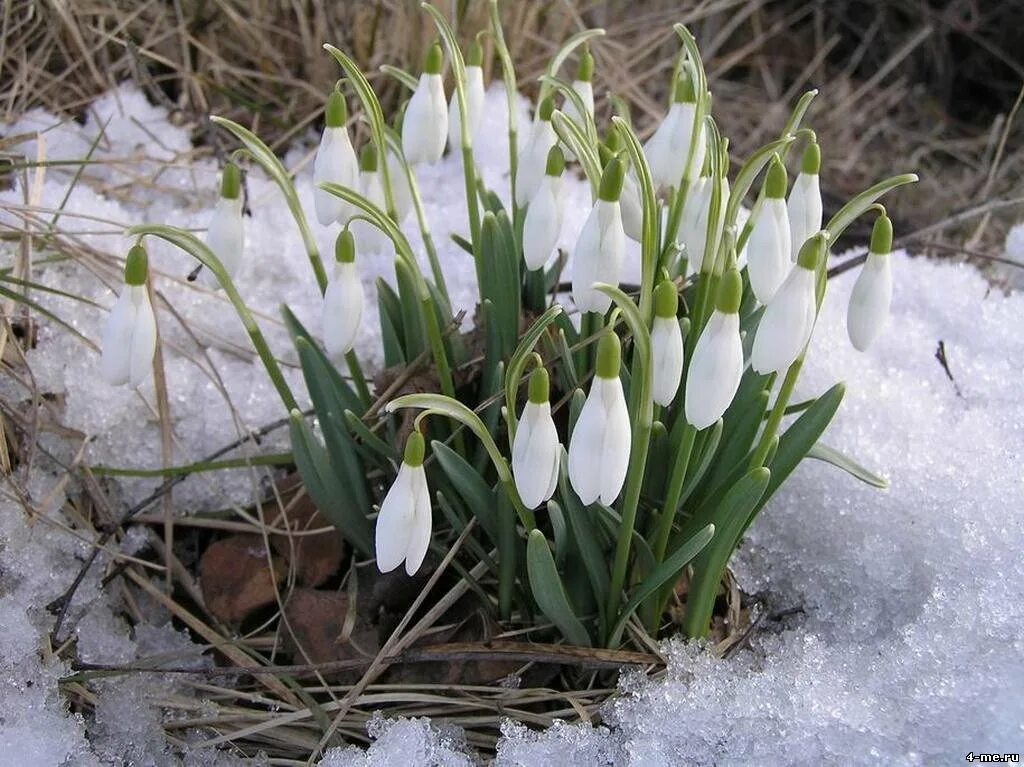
(881, 236)
(585, 70)
(684, 93)
(539, 386)
(776, 181)
(434, 60)
(556, 162)
(136, 266)
(609, 355)
(475, 56)
(547, 106)
(614, 138)
(812, 159)
(604, 154)
(336, 111)
(345, 247)
(415, 449)
(812, 252)
(611, 181)
(368, 159)
(231, 182)
(730, 292)
(666, 299)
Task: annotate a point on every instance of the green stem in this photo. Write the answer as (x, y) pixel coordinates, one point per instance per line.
(356, 371)
(778, 411)
(507, 559)
(511, 93)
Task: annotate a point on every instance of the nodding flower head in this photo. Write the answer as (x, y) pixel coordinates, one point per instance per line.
(601, 245)
(666, 344)
(717, 363)
(343, 299)
(871, 298)
(335, 163)
(768, 248)
(543, 222)
(474, 99)
(225, 234)
(425, 126)
(536, 451)
(404, 523)
(534, 158)
(804, 205)
(129, 335)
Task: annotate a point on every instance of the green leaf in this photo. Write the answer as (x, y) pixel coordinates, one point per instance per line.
(478, 497)
(841, 460)
(369, 439)
(391, 334)
(414, 340)
(712, 438)
(547, 589)
(462, 242)
(859, 204)
(399, 74)
(517, 362)
(563, 53)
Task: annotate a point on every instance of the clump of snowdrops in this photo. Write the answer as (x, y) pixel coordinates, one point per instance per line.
(586, 465)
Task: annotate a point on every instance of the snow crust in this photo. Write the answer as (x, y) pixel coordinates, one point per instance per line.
(907, 645)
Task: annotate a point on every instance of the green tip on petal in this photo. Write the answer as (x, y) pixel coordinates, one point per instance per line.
(614, 138)
(585, 70)
(609, 355)
(415, 449)
(684, 93)
(368, 159)
(231, 182)
(345, 247)
(475, 56)
(776, 181)
(136, 266)
(539, 386)
(666, 299)
(811, 163)
(812, 252)
(730, 292)
(434, 61)
(547, 106)
(611, 181)
(336, 111)
(556, 162)
(881, 236)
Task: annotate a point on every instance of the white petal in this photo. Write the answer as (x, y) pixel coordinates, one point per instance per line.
(616, 443)
(225, 236)
(335, 162)
(715, 370)
(632, 208)
(657, 150)
(543, 223)
(115, 364)
(535, 454)
(533, 161)
(342, 309)
(422, 522)
(474, 106)
(395, 521)
(585, 447)
(401, 192)
(768, 249)
(143, 342)
(805, 211)
(425, 125)
(370, 239)
(786, 324)
(667, 351)
(694, 223)
(585, 264)
(585, 90)
(870, 301)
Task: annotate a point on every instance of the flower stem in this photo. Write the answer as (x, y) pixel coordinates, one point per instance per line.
(778, 410)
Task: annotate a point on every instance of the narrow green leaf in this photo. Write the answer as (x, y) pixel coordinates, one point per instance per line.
(547, 589)
(859, 204)
(839, 459)
(399, 74)
(371, 440)
(564, 52)
(478, 497)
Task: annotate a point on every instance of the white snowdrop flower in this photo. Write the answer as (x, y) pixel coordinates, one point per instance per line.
(425, 126)
(404, 522)
(601, 245)
(534, 157)
(543, 222)
(343, 299)
(129, 335)
(584, 88)
(804, 205)
(693, 226)
(632, 208)
(600, 442)
(536, 451)
(335, 163)
(401, 193)
(225, 234)
(669, 147)
(787, 322)
(474, 100)
(717, 363)
(871, 298)
(666, 344)
(768, 249)
(369, 238)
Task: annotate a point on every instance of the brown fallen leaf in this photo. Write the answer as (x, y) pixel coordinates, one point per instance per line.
(235, 577)
(316, 631)
(315, 558)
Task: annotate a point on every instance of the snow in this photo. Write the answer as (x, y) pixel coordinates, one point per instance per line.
(907, 648)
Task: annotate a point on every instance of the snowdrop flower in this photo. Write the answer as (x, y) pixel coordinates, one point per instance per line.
(601, 245)
(787, 322)
(599, 447)
(668, 149)
(805, 201)
(474, 99)
(666, 344)
(543, 221)
(583, 88)
(534, 157)
(536, 451)
(224, 234)
(768, 248)
(343, 299)
(629, 201)
(129, 336)
(425, 126)
(401, 193)
(717, 363)
(335, 163)
(368, 237)
(404, 521)
(872, 293)
(693, 226)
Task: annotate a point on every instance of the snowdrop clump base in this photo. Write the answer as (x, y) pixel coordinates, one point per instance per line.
(669, 396)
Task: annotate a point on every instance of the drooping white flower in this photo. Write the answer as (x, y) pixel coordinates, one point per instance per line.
(717, 363)
(543, 222)
(401, 193)
(225, 234)
(804, 204)
(534, 157)
(474, 100)
(343, 299)
(335, 163)
(369, 238)
(536, 451)
(768, 248)
(787, 322)
(584, 88)
(632, 208)
(666, 344)
(668, 148)
(404, 523)
(693, 226)
(425, 126)
(600, 443)
(601, 245)
(871, 298)
(129, 335)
